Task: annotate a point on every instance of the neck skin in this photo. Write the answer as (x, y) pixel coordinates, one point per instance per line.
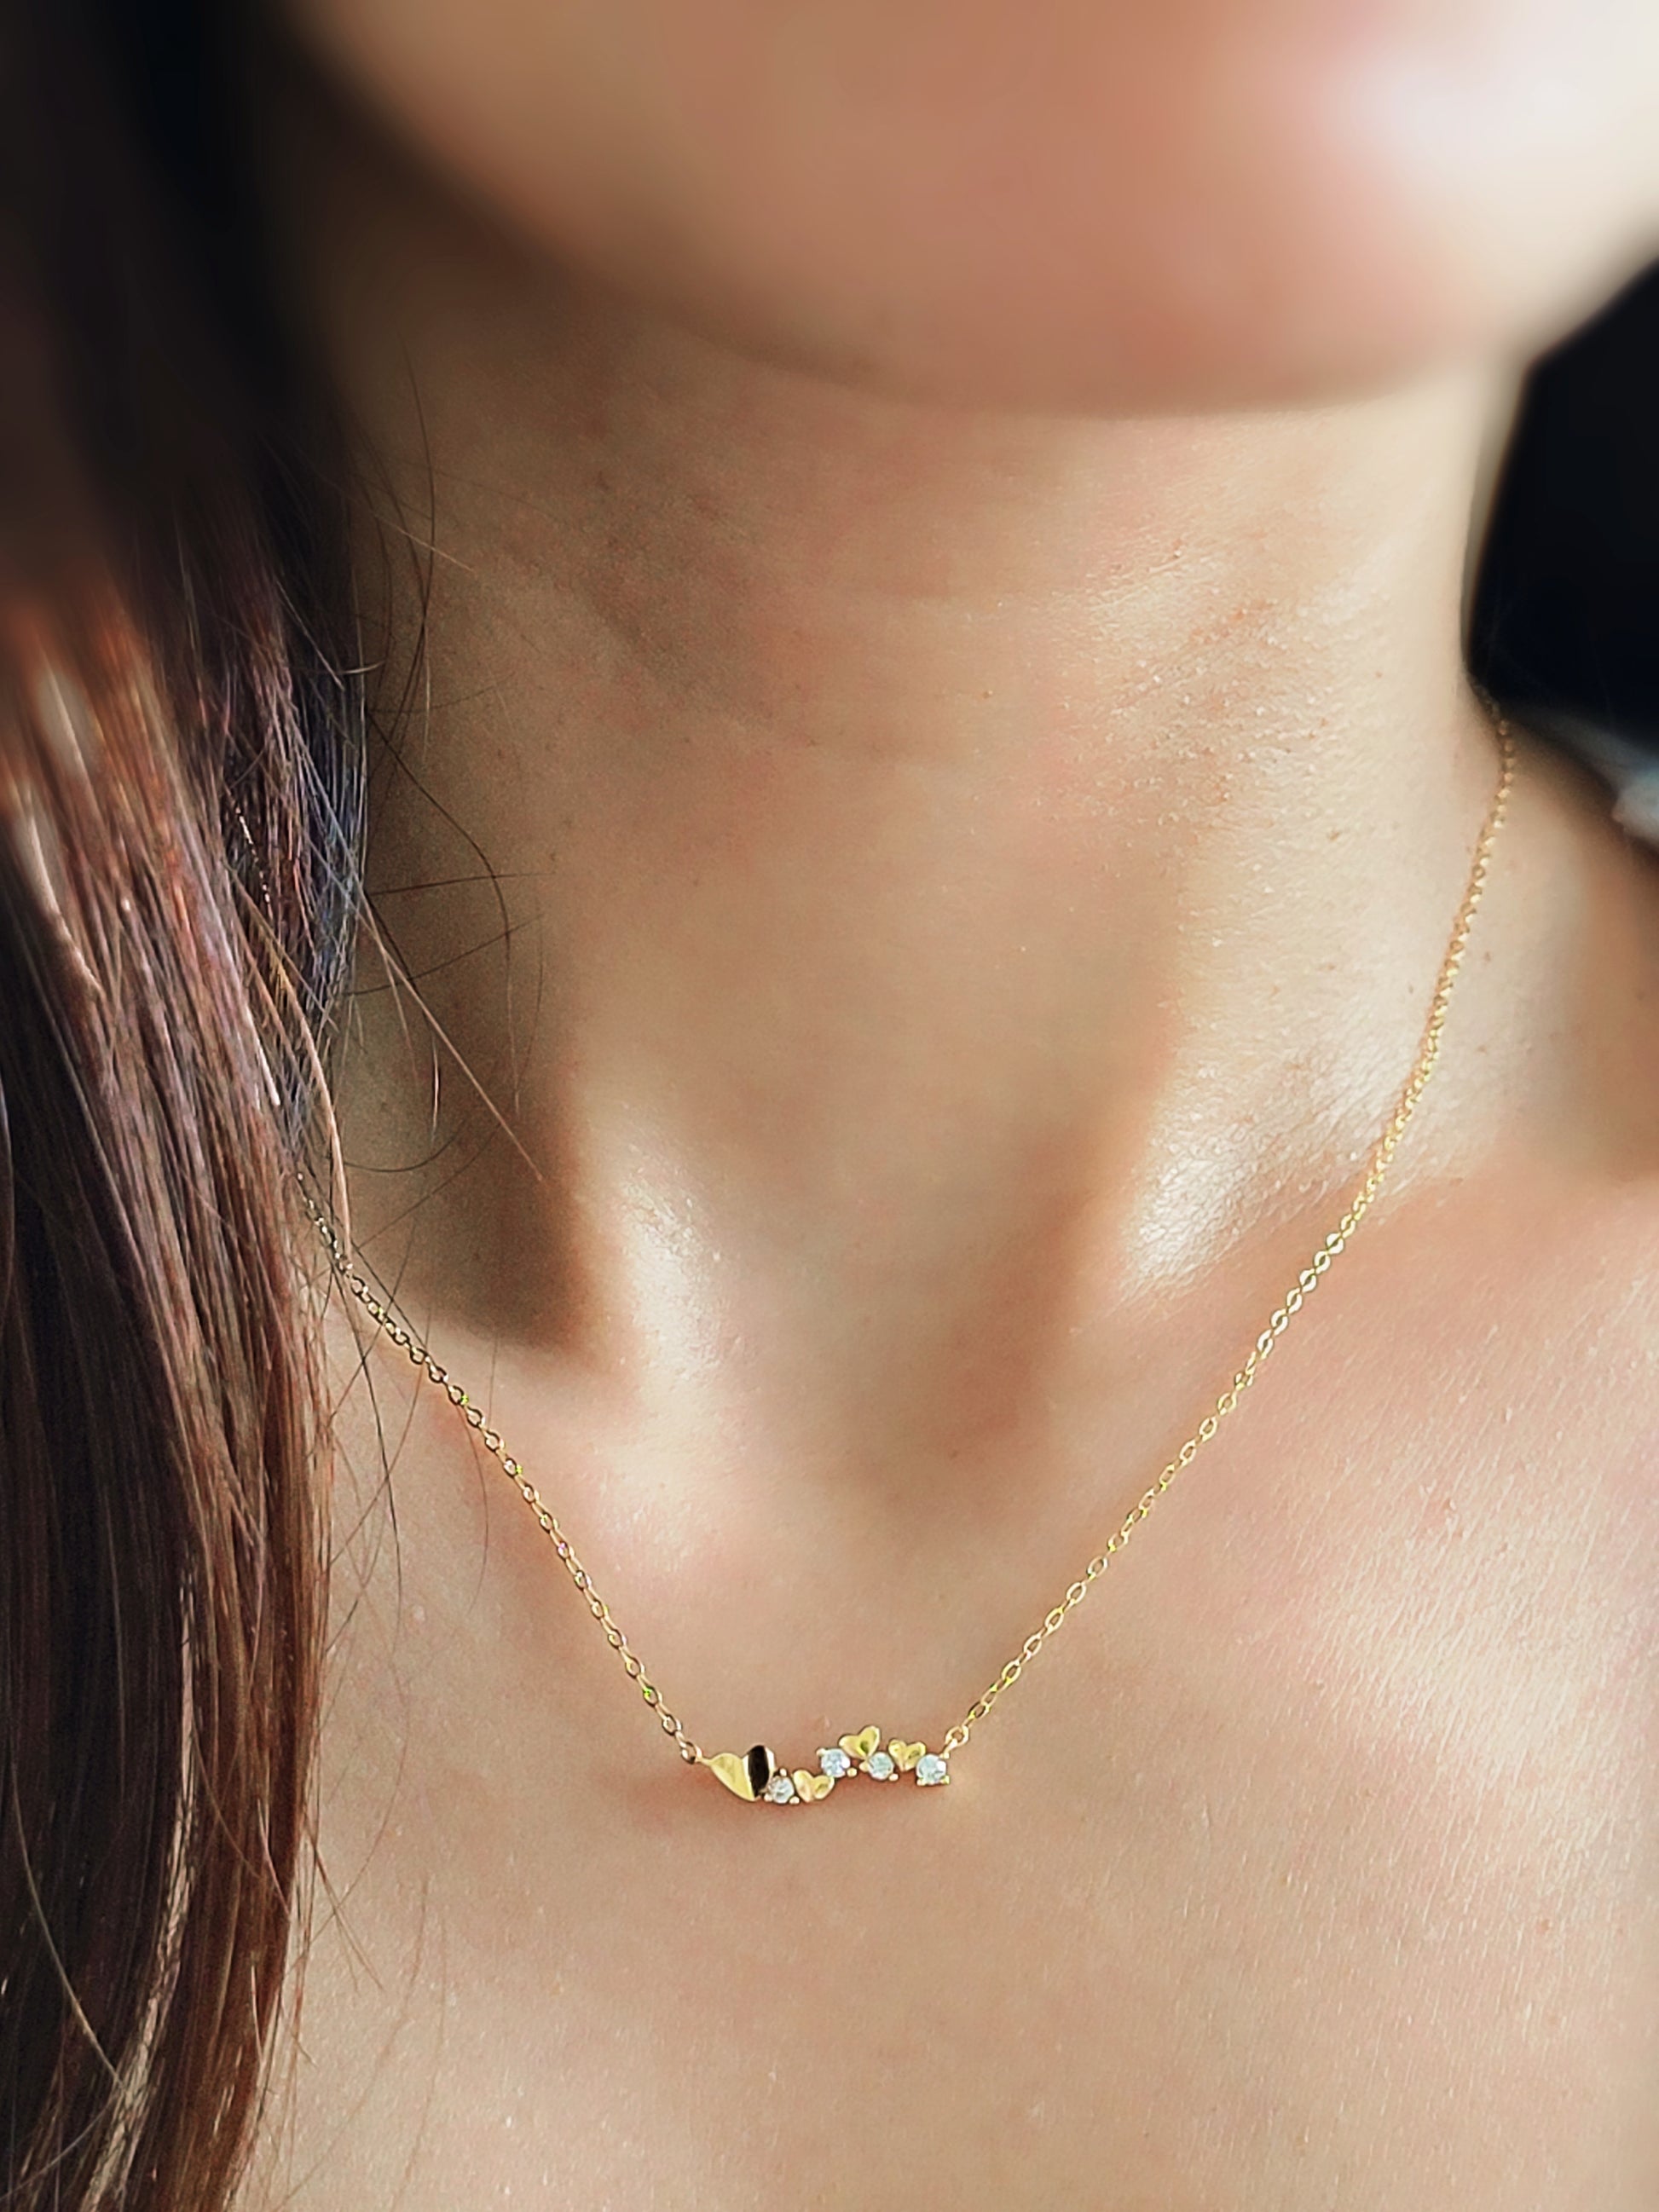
(961, 884)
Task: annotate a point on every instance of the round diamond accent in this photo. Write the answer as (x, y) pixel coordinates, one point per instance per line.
(931, 1767)
(836, 1763)
(781, 1789)
(880, 1764)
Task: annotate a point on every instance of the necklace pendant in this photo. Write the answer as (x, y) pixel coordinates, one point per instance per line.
(756, 1776)
(745, 1774)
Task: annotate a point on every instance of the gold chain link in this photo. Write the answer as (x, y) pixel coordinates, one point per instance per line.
(386, 1318)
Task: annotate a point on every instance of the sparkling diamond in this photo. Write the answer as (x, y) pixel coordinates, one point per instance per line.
(931, 1767)
(836, 1763)
(781, 1789)
(880, 1764)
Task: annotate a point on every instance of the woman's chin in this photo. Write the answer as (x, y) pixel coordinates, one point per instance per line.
(1221, 204)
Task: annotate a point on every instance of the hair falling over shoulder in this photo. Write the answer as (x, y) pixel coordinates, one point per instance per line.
(179, 802)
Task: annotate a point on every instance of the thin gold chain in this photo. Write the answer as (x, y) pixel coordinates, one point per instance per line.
(386, 1319)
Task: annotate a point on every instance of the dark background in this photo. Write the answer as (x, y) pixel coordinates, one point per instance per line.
(1566, 610)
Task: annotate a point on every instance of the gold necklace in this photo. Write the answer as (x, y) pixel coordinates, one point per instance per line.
(756, 1775)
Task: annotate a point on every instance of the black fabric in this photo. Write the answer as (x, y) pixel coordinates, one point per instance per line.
(1566, 611)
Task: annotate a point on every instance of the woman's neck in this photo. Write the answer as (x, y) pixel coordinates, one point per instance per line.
(896, 882)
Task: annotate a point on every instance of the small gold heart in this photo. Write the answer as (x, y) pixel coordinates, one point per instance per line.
(733, 1769)
(905, 1755)
(861, 1745)
(810, 1786)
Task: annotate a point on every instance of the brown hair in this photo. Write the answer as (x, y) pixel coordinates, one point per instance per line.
(179, 777)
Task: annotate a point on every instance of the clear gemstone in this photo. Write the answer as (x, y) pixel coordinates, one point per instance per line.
(781, 1789)
(880, 1764)
(837, 1764)
(931, 1767)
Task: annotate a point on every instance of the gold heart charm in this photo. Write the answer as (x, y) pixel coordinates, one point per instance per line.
(733, 1771)
(810, 1786)
(905, 1755)
(861, 1745)
(745, 1774)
